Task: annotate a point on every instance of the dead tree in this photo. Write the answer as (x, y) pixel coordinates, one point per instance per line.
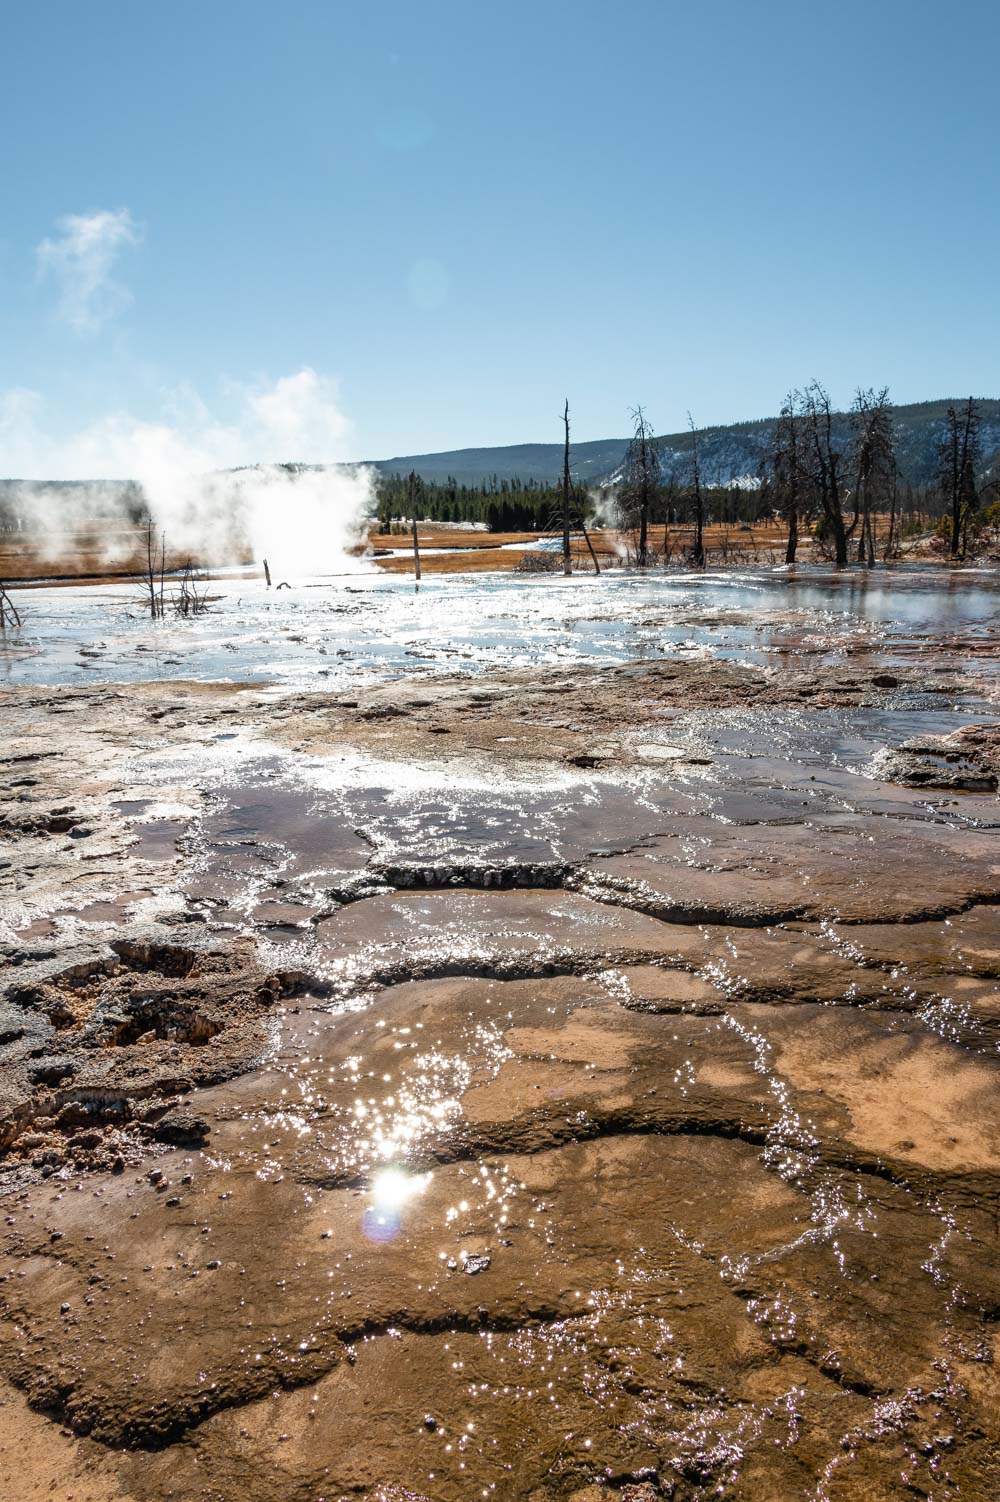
(586, 538)
(698, 551)
(9, 615)
(640, 479)
(412, 484)
(572, 502)
(873, 450)
(782, 472)
(823, 465)
(190, 600)
(959, 460)
(567, 561)
(154, 568)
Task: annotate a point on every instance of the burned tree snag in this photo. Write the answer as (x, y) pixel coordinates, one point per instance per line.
(8, 611)
(640, 481)
(959, 461)
(567, 562)
(411, 490)
(698, 551)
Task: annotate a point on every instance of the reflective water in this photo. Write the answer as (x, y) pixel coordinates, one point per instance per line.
(668, 1170)
(330, 633)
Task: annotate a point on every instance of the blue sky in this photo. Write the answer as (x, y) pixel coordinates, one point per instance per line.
(240, 223)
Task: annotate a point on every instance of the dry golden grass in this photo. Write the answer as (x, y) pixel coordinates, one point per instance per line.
(478, 553)
(461, 561)
(431, 536)
(82, 554)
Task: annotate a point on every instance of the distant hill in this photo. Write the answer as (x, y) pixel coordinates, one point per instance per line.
(591, 462)
(729, 454)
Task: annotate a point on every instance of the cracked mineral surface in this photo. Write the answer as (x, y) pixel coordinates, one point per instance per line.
(562, 1072)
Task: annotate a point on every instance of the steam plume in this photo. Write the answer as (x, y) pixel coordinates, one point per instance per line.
(211, 487)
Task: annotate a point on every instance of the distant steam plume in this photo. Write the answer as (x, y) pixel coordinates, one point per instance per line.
(81, 258)
(213, 488)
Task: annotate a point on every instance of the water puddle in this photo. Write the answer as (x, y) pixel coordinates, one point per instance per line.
(330, 634)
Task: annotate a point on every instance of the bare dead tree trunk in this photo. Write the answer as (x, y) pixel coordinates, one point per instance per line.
(590, 545)
(961, 458)
(698, 553)
(825, 468)
(267, 574)
(8, 611)
(873, 447)
(793, 536)
(411, 490)
(641, 475)
(891, 540)
(567, 562)
(155, 604)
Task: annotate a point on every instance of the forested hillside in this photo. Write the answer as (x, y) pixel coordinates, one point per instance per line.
(729, 454)
(516, 487)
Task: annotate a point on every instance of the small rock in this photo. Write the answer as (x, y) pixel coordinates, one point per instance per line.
(182, 1128)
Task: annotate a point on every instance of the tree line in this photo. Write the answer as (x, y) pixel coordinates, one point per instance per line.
(810, 478)
(845, 493)
(501, 505)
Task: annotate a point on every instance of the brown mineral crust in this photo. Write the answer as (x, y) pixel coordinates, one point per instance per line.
(966, 760)
(98, 1046)
(665, 1169)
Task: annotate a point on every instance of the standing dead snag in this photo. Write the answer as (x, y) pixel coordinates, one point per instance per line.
(822, 461)
(8, 611)
(782, 471)
(156, 602)
(411, 490)
(959, 454)
(571, 502)
(874, 454)
(567, 564)
(698, 551)
(190, 601)
(640, 480)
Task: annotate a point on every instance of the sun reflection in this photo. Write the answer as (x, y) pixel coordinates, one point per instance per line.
(391, 1189)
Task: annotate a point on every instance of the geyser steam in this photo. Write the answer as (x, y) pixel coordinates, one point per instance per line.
(270, 483)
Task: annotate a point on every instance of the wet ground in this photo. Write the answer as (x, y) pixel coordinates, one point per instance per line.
(576, 1079)
(362, 628)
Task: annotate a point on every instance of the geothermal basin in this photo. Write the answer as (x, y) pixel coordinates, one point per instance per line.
(520, 1038)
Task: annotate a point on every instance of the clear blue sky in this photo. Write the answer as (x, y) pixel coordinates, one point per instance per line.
(462, 212)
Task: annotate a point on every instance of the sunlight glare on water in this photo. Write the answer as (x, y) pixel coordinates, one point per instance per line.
(333, 633)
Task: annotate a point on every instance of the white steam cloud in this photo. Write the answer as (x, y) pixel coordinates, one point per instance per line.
(304, 520)
(81, 258)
